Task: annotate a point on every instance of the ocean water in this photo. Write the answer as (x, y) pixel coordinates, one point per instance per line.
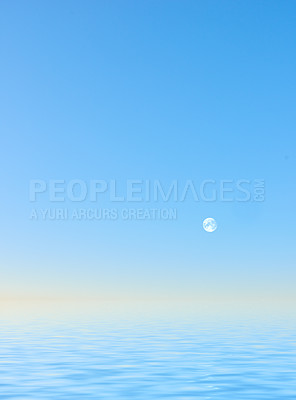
(147, 358)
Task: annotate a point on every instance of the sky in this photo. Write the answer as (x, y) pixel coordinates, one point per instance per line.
(156, 91)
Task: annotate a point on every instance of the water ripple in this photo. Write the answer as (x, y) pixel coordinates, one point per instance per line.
(146, 361)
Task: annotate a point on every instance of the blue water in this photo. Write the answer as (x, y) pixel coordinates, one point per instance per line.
(147, 359)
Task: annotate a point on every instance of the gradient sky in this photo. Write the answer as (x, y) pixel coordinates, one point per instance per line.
(149, 90)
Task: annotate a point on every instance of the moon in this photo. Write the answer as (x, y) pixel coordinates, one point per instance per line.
(209, 225)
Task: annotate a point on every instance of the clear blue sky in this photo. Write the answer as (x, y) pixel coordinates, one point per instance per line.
(149, 90)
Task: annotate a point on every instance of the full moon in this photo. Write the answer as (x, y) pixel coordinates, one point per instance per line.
(209, 225)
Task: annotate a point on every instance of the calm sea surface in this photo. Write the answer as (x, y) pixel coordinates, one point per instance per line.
(147, 359)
